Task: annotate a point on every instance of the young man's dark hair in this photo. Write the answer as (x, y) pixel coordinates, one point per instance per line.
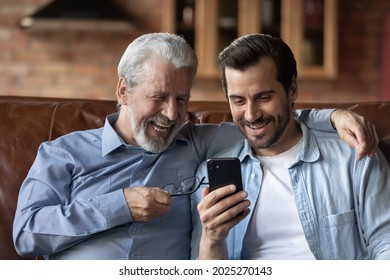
(250, 49)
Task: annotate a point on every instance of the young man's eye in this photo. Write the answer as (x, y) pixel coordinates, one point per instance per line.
(237, 101)
(265, 97)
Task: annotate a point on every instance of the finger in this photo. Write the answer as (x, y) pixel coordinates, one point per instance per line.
(228, 208)
(374, 146)
(230, 217)
(160, 207)
(161, 196)
(160, 210)
(231, 201)
(370, 143)
(221, 231)
(362, 139)
(218, 194)
(215, 202)
(143, 205)
(209, 199)
(205, 192)
(360, 152)
(350, 139)
(234, 211)
(368, 140)
(238, 218)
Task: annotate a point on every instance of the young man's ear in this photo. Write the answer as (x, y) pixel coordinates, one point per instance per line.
(121, 91)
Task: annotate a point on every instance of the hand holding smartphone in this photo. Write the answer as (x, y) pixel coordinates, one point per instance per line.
(224, 171)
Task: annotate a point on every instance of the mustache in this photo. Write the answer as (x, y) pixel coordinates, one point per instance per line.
(162, 120)
(258, 122)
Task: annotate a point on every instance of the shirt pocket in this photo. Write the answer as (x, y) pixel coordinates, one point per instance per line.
(342, 234)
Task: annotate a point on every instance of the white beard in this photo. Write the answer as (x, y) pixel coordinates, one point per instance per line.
(150, 144)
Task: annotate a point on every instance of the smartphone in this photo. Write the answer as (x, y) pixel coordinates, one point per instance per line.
(224, 171)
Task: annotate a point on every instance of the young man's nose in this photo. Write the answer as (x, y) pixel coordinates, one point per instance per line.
(251, 112)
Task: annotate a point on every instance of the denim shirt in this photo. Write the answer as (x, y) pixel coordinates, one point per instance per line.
(343, 204)
(71, 204)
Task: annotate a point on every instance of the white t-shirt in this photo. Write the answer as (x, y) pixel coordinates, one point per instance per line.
(275, 231)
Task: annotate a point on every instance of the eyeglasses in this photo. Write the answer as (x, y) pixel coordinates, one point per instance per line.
(187, 186)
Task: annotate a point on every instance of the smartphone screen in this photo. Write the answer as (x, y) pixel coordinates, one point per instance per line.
(224, 171)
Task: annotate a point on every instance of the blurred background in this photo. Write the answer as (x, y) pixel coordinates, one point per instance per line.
(71, 49)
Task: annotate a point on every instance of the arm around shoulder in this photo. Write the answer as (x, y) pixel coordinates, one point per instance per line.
(352, 128)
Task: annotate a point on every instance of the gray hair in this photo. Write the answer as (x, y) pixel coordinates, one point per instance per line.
(162, 45)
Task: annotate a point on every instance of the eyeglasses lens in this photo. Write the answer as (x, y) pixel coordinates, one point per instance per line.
(187, 186)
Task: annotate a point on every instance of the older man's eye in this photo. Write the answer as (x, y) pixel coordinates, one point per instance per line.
(158, 98)
(183, 99)
(237, 101)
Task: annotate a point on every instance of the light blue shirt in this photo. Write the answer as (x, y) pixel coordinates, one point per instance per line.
(343, 204)
(72, 206)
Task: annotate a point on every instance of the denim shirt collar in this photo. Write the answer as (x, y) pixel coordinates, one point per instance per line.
(310, 151)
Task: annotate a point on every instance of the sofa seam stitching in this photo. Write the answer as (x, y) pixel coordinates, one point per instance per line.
(52, 121)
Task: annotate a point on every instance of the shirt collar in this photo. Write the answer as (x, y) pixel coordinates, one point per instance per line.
(241, 150)
(110, 138)
(310, 151)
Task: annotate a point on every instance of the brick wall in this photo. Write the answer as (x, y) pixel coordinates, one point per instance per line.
(83, 65)
(360, 26)
(63, 64)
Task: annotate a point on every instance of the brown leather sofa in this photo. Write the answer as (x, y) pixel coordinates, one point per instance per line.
(27, 121)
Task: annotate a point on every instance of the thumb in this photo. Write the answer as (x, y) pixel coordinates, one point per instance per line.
(161, 196)
(205, 192)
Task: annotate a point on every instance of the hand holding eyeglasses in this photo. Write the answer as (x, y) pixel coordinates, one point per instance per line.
(146, 203)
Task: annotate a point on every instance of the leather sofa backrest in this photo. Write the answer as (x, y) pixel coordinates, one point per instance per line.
(27, 122)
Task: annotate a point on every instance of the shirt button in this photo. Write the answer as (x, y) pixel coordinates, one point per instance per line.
(253, 175)
(178, 174)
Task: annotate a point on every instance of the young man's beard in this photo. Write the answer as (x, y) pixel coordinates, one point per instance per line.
(261, 142)
(154, 145)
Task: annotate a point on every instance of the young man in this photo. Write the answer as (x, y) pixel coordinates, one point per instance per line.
(305, 196)
(98, 194)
